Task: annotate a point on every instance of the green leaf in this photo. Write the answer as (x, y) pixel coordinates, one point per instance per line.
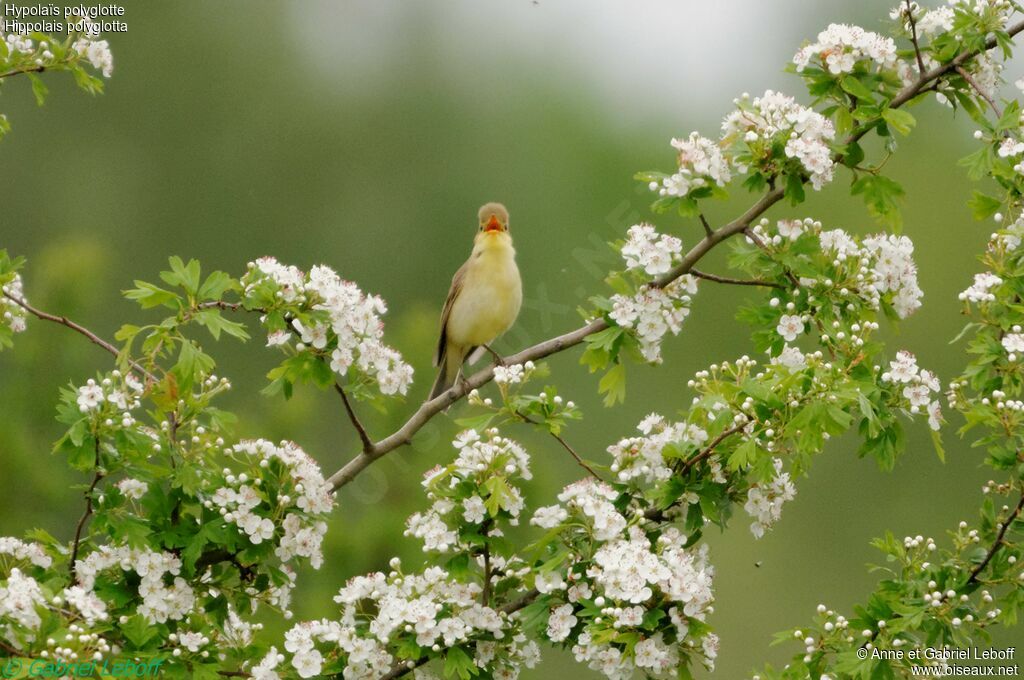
(215, 285)
(215, 322)
(149, 295)
(744, 455)
(39, 88)
(795, 189)
(983, 206)
(899, 120)
(613, 385)
(880, 195)
(855, 87)
(138, 631)
(458, 663)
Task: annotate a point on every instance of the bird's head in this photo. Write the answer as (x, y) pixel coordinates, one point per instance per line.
(493, 218)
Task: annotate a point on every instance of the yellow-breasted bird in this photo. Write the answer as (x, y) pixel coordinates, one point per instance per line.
(483, 301)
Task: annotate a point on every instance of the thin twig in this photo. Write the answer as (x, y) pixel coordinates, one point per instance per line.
(998, 542)
(64, 321)
(735, 282)
(977, 88)
(221, 304)
(704, 223)
(19, 71)
(88, 509)
(10, 650)
(710, 448)
(363, 436)
(913, 37)
(565, 444)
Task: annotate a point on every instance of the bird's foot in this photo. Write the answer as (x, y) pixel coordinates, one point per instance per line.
(498, 359)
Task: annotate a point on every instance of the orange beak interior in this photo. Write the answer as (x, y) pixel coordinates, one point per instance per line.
(493, 224)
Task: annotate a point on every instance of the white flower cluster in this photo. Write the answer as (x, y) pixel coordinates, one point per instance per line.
(928, 23)
(133, 488)
(352, 331)
(513, 375)
(19, 598)
(113, 399)
(629, 575)
(22, 550)
(431, 608)
(13, 315)
(764, 501)
(653, 311)
(650, 251)
(894, 271)
(97, 53)
(775, 117)
(840, 46)
(877, 268)
(160, 602)
(641, 458)
(981, 289)
(918, 386)
(480, 461)
(1013, 343)
(302, 494)
(700, 161)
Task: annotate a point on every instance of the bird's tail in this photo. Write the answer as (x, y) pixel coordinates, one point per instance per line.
(447, 372)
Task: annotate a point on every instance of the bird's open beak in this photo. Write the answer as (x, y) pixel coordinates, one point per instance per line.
(493, 224)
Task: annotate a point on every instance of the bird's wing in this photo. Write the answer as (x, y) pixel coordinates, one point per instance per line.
(453, 293)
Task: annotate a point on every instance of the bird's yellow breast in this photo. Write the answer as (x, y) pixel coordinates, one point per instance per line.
(491, 294)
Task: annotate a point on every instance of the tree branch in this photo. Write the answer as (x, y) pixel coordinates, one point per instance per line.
(88, 510)
(363, 436)
(736, 282)
(562, 342)
(977, 88)
(565, 445)
(913, 37)
(704, 223)
(1014, 514)
(19, 71)
(64, 321)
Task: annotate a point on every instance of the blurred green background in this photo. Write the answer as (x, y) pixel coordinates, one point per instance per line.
(365, 135)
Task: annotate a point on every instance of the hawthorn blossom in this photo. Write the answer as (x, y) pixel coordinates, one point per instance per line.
(509, 375)
(133, 488)
(773, 117)
(338, 321)
(560, 622)
(97, 53)
(652, 312)
(650, 251)
(19, 599)
(840, 46)
(790, 327)
(981, 289)
(700, 161)
(1013, 343)
(22, 550)
(90, 396)
(12, 314)
(764, 501)
(642, 458)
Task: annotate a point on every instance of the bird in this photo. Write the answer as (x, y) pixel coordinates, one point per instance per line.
(483, 301)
